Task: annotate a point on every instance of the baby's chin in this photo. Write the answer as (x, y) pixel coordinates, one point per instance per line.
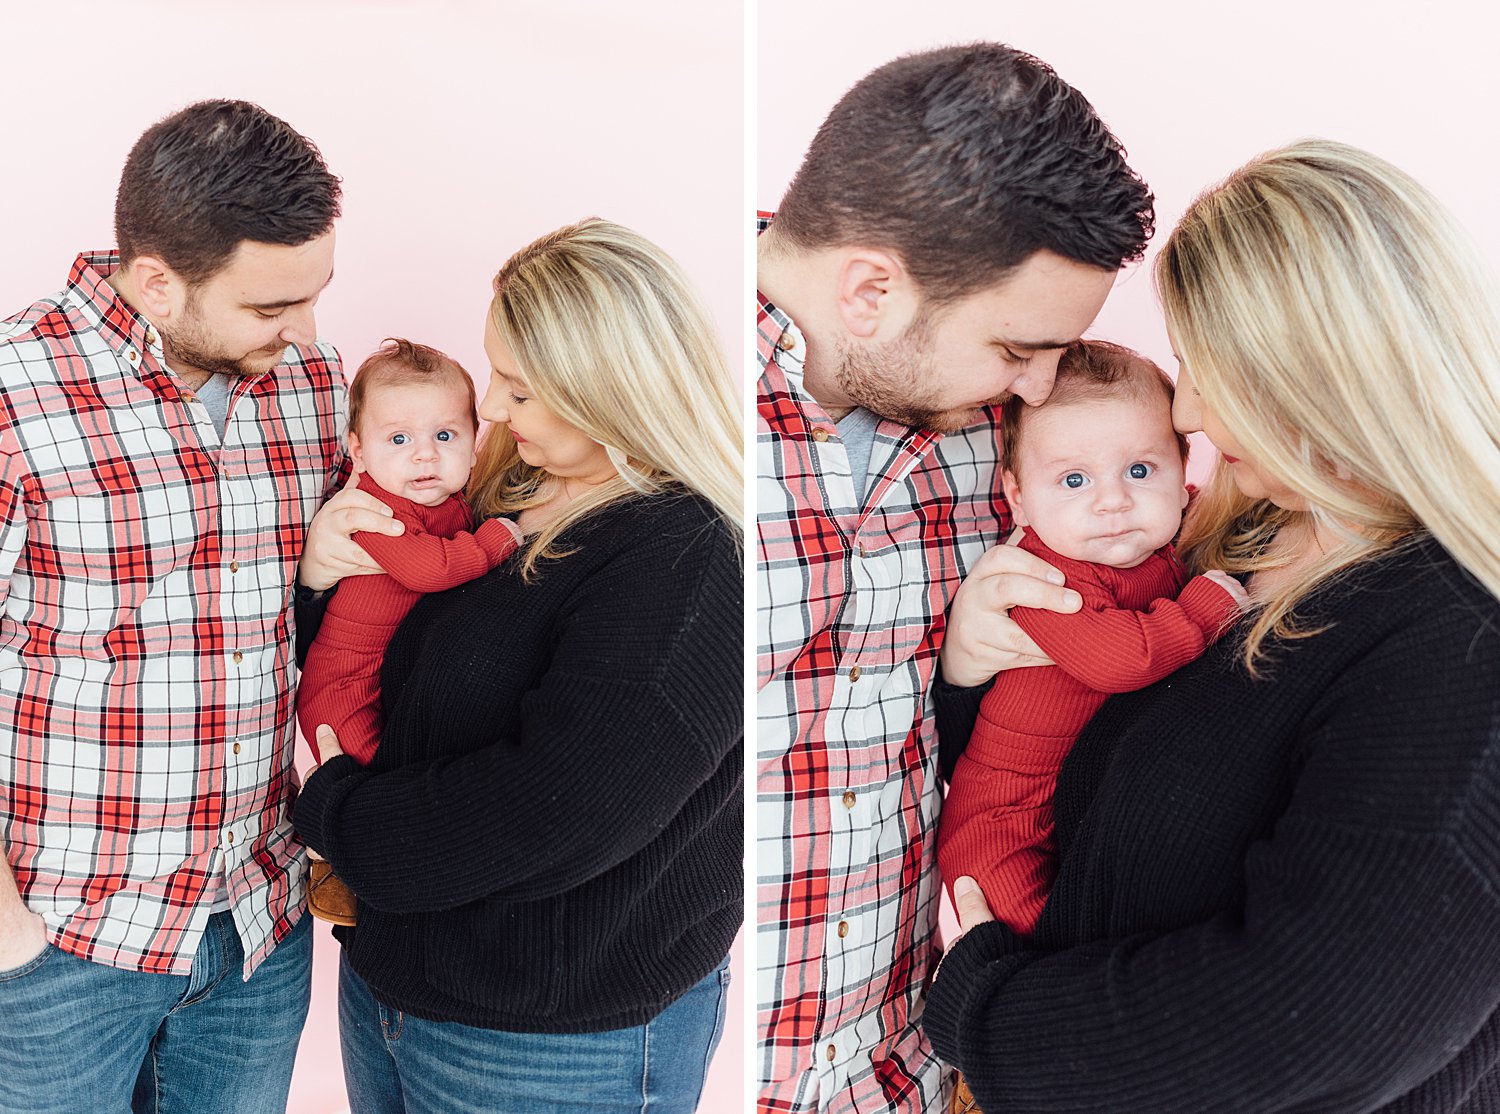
(1123, 552)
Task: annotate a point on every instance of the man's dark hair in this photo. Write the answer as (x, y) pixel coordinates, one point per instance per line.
(218, 172)
(965, 161)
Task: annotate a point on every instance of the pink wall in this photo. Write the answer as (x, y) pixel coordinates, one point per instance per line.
(1192, 91)
(462, 130)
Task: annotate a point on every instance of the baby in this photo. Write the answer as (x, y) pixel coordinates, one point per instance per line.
(412, 425)
(1095, 475)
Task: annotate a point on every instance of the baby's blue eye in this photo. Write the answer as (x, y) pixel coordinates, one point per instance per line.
(445, 435)
(1075, 480)
(399, 439)
(1139, 471)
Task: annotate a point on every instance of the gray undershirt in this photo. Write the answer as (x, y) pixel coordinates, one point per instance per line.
(857, 432)
(215, 398)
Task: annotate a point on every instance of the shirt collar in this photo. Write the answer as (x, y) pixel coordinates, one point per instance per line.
(126, 332)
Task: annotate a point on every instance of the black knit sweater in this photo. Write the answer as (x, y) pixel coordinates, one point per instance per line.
(1273, 896)
(549, 838)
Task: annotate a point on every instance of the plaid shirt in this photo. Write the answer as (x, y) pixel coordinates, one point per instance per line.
(146, 676)
(850, 616)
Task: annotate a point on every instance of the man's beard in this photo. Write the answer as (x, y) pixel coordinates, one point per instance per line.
(187, 346)
(891, 379)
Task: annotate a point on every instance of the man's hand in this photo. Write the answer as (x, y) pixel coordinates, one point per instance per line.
(981, 639)
(328, 554)
(23, 936)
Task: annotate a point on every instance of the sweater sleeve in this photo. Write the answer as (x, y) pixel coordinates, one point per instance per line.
(426, 562)
(1366, 952)
(641, 706)
(1114, 649)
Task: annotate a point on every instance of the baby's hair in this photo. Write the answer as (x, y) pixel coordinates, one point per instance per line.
(398, 362)
(1088, 369)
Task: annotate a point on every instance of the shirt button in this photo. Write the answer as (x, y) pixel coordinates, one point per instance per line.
(833, 1052)
(132, 355)
(820, 435)
(151, 336)
(848, 798)
(234, 566)
(238, 657)
(856, 673)
(843, 929)
(236, 748)
(786, 341)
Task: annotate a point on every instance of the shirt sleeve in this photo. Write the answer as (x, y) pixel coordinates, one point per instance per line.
(614, 745)
(1365, 954)
(1114, 649)
(427, 562)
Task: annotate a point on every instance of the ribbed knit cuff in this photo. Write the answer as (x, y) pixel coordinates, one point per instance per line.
(1209, 605)
(958, 990)
(318, 799)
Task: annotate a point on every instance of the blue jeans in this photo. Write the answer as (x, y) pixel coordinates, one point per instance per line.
(78, 1036)
(398, 1064)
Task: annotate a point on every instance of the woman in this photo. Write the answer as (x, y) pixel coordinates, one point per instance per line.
(546, 846)
(1279, 886)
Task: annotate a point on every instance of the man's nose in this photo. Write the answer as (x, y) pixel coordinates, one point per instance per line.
(300, 326)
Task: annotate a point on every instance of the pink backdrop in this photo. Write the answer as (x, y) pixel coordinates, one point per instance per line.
(462, 131)
(1192, 90)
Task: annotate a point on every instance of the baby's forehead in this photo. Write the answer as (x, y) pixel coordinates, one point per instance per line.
(1098, 426)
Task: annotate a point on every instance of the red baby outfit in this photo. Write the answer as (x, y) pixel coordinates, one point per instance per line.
(1131, 632)
(341, 680)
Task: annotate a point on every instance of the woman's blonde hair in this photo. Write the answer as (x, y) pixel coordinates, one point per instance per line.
(1340, 325)
(612, 339)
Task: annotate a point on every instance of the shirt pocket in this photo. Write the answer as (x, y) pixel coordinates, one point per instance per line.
(101, 542)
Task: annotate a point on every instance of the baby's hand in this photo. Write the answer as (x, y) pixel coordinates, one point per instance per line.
(1235, 589)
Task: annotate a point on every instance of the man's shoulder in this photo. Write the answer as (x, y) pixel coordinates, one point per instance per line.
(318, 362)
(45, 322)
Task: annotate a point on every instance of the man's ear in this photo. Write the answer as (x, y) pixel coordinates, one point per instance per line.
(1013, 497)
(161, 291)
(875, 293)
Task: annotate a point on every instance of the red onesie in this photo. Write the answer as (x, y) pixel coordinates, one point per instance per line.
(341, 681)
(1131, 632)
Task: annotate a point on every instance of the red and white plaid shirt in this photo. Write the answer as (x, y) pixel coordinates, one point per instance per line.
(850, 614)
(146, 674)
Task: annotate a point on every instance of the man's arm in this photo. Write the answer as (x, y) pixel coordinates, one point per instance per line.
(329, 552)
(23, 934)
(981, 639)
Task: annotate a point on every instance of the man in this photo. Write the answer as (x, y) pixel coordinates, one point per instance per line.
(959, 219)
(168, 425)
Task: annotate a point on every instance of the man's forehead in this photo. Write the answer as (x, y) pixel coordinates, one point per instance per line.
(277, 275)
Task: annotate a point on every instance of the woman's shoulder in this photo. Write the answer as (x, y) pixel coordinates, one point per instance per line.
(1415, 575)
(673, 516)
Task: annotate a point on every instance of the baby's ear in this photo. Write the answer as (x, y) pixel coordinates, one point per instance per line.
(1013, 497)
(356, 450)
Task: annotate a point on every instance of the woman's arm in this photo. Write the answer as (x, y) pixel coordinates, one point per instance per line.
(613, 748)
(1367, 951)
